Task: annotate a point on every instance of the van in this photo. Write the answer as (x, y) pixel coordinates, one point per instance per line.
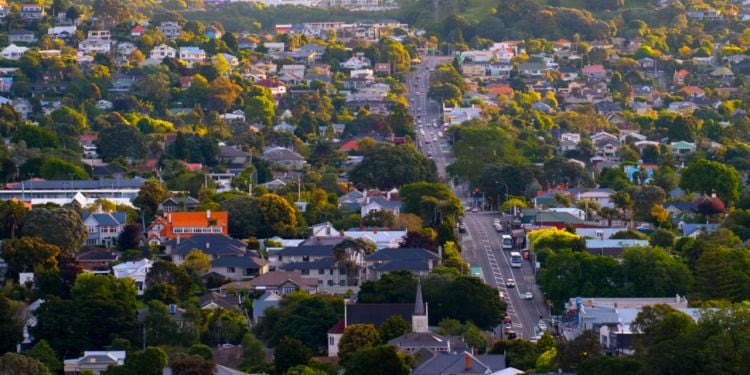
(507, 242)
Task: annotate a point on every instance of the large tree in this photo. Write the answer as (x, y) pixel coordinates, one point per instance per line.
(152, 193)
(62, 227)
(277, 216)
(289, 353)
(121, 141)
(433, 202)
(10, 329)
(388, 167)
(705, 176)
(19, 364)
(29, 254)
(379, 360)
(477, 147)
(357, 337)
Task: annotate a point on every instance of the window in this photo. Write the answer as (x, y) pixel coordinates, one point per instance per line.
(287, 290)
(342, 282)
(305, 258)
(230, 270)
(305, 272)
(330, 340)
(321, 271)
(330, 282)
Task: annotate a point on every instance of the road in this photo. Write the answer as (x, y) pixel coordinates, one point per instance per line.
(481, 244)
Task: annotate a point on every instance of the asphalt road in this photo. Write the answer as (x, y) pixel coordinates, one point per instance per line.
(481, 244)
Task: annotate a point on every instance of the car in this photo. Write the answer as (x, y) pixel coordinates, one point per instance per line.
(429, 154)
(508, 327)
(542, 325)
(510, 283)
(498, 227)
(461, 228)
(528, 296)
(496, 221)
(475, 210)
(427, 141)
(507, 319)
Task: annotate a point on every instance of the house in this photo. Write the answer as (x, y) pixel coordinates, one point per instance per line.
(137, 31)
(212, 32)
(94, 362)
(178, 203)
(171, 30)
(126, 48)
(284, 157)
(722, 72)
(678, 78)
(94, 45)
(383, 68)
(233, 155)
(596, 71)
(161, 51)
(380, 204)
(278, 88)
(100, 34)
(371, 313)
(319, 262)
(32, 11)
(416, 260)
(136, 270)
(682, 148)
(214, 245)
(95, 259)
(85, 192)
(268, 299)
(601, 196)
(612, 247)
(21, 36)
(358, 61)
(278, 282)
(104, 227)
(462, 363)
(192, 54)
(187, 224)
(13, 52)
(532, 69)
(239, 267)
(214, 300)
(692, 91)
(695, 230)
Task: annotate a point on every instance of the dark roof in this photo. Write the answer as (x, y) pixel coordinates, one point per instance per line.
(556, 217)
(106, 218)
(312, 250)
(242, 261)
(107, 170)
(384, 202)
(455, 364)
(212, 244)
(411, 254)
(231, 152)
(79, 184)
(428, 340)
(187, 201)
(20, 32)
(377, 313)
(278, 278)
(96, 254)
(225, 302)
(320, 264)
(682, 206)
(402, 265)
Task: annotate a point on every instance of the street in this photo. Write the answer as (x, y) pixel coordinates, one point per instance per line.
(481, 244)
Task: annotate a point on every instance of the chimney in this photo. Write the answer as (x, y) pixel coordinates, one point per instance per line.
(590, 303)
(467, 362)
(328, 229)
(375, 230)
(178, 239)
(208, 214)
(169, 217)
(341, 233)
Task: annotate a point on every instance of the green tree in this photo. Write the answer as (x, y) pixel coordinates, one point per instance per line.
(572, 353)
(57, 169)
(183, 364)
(277, 216)
(614, 178)
(433, 202)
(244, 217)
(662, 238)
(196, 263)
(29, 254)
(44, 353)
(10, 329)
(62, 227)
(18, 364)
(705, 176)
(160, 328)
(121, 141)
(357, 337)
(478, 147)
(379, 360)
(393, 327)
(651, 272)
(610, 365)
(289, 353)
(151, 361)
(35, 136)
(151, 194)
(386, 167)
(69, 117)
(253, 353)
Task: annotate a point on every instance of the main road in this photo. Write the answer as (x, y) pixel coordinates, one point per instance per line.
(481, 244)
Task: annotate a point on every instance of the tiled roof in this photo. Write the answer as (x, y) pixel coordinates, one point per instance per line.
(197, 219)
(377, 313)
(278, 278)
(313, 250)
(402, 254)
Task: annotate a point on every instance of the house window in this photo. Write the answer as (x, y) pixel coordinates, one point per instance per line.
(230, 269)
(287, 290)
(305, 258)
(139, 285)
(330, 340)
(342, 282)
(321, 271)
(330, 282)
(251, 271)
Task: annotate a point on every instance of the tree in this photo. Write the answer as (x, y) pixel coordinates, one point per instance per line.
(29, 254)
(121, 141)
(57, 169)
(151, 361)
(651, 272)
(478, 147)
(379, 360)
(571, 354)
(44, 353)
(62, 227)
(159, 326)
(35, 136)
(69, 117)
(387, 167)
(393, 327)
(289, 353)
(18, 364)
(196, 263)
(357, 337)
(115, 10)
(151, 194)
(433, 202)
(260, 106)
(167, 273)
(704, 176)
(222, 93)
(10, 329)
(253, 353)
(277, 216)
(662, 238)
(202, 350)
(244, 217)
(129, 238)
(613, 178)
(12, 214)
(191, 365)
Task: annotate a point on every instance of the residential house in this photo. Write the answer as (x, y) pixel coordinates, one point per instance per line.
(234, 155)
(284, 157)
(274, 47)
(100, 34)
(682, 148)
(463, 363)
(214, 300)
(278, 282)
(380, 204)
(366, 313)
(722, 72)
(383, 68)
(692, 91)
(171, 30)
(94, 362)
(278, 88)
(161, 51)
(136, 270)
(21, 36)
(606, 145)
(94, 45)
(319, 262)
(214, 245)
(212, 32)
(695, 230)
(678, 210)
(416, 260)
(192, 54)
(596, 71)
(95, 259)
(85, 192)
(601, 196)
(32, 11)
(568, 74)
(612, 247)
(532, 69)
(239, 267)
(137, 31)
(358, 61)
(126, 48)
(23, 107)
(104, 227)
(186, 224)
(268, 299)
(678, 78)
(178, 203)
(13, 52)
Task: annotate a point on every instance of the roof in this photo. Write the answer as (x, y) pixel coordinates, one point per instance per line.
(556, 217)
(428, 340)
(96, 254)
(455, 364)
(382, 202)
(412, 254)
(278, 278)
(242, 261)
(324, 263)
(313, 250)
(198, 219)
(106, 218)
(225, 302)
(281, 153)
(688, 229)
(402, 265)
(377, 313)
(108, 183)
(212, 244)
(231, 152)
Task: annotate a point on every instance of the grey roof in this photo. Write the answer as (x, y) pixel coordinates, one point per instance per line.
(313, 250)
(213, 244)
(136, 182)
(455, 364)
(402, 265)
(106, 218)
(409, 253)
(186, 200)
(281, 153)
(278, 278)
(225, 302)
(314, 265)
(96, 254)
(556, 217)
(382, 202)
(419, 309)
(688, 229)
(231, 152)
(20, 32)
(242, 261)
(428, 340)
(376, 313)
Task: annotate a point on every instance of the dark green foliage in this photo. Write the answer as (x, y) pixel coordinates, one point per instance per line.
(290, 352)
(62, 227)
(379, 360)
(10, 328)
(386, 167)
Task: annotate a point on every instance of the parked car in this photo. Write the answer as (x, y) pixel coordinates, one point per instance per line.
(542, 325)
(461, 228)
(498, 227)
(510, 283)
(528, 296)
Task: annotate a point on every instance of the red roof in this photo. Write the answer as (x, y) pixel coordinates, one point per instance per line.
(338, 327)
(349, 146)
(269, 83)
(87, 138)
(681, 73)
(692, 90)
(137, 30)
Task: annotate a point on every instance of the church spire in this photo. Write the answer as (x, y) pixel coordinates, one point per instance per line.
(419, 319)
(419, 302)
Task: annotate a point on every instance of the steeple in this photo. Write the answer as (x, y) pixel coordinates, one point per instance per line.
(419, 319)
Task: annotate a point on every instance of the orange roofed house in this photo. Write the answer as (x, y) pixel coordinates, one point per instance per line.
(186, 224)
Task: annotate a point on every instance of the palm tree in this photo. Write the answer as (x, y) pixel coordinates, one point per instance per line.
(349, 254)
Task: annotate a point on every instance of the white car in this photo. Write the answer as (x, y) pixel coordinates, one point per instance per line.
(528, 296)
(542, 325)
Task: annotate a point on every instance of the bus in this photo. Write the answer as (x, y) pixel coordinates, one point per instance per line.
(515, 259)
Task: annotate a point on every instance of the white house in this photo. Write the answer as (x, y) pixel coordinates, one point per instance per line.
(104, 227)
(13, 52)
(95, 362)
(192, 54)
(161, 51)
(171, 30)
(62, 32)
(358, 61)
(380, 204)
(95, 45)
(136, 271)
